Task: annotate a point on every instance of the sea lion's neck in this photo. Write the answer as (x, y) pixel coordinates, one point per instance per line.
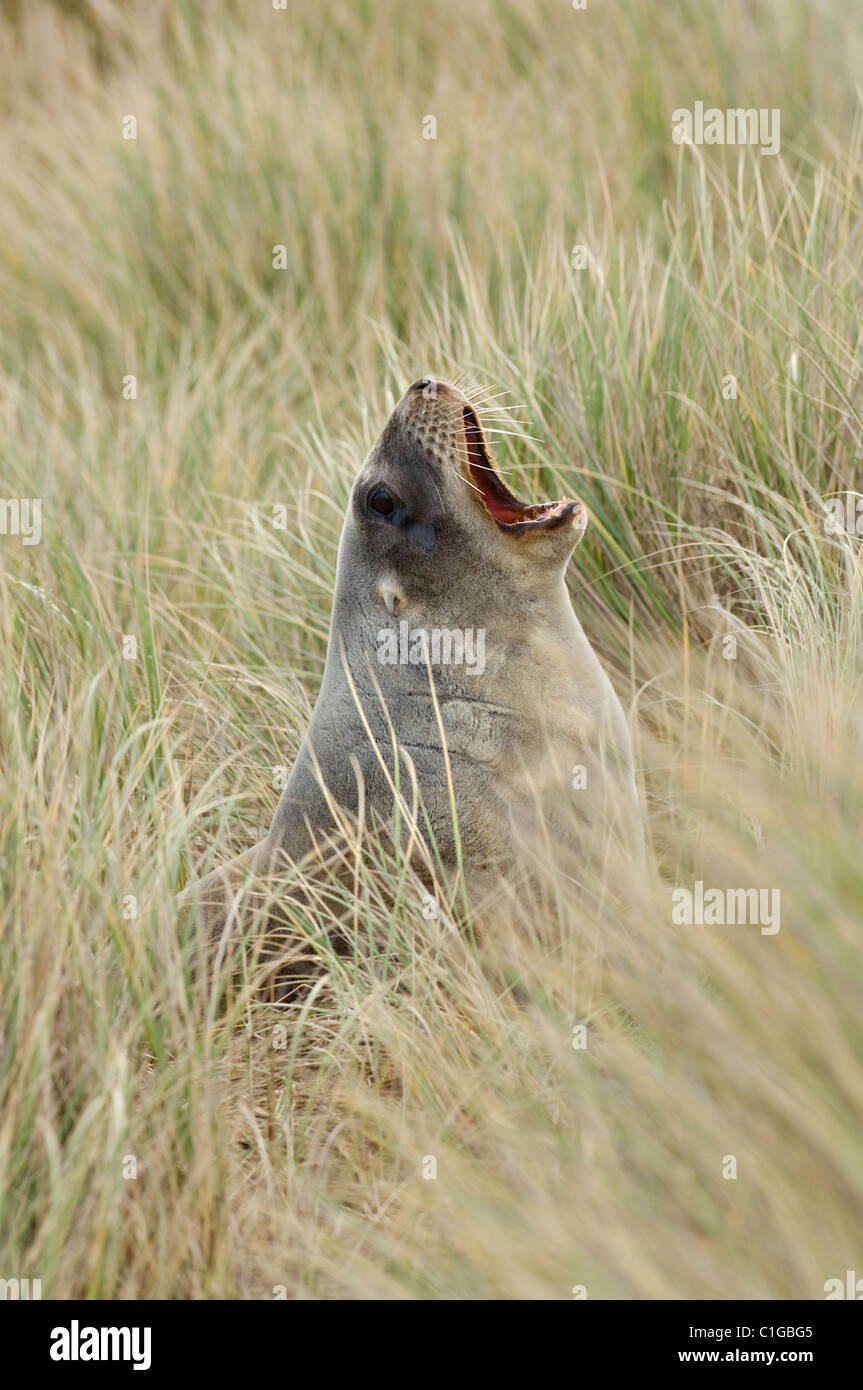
(515, 656)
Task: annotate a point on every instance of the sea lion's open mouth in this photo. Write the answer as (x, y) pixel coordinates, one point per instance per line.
(502, 505)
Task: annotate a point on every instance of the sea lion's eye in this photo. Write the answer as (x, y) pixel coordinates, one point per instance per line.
(382, 502)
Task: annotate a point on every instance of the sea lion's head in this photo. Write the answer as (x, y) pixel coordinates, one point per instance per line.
(432, 519)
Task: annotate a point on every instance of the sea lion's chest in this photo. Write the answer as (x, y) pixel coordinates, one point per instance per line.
(497, 745)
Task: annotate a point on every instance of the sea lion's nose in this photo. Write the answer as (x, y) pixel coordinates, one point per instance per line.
(425, 383)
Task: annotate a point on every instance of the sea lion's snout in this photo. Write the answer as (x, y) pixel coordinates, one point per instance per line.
(430, 484)
(446, 424)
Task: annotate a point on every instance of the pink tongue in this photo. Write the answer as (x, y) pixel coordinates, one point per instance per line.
(500, 510)
(481, 473)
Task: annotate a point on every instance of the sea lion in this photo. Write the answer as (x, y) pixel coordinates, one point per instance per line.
(456, 666)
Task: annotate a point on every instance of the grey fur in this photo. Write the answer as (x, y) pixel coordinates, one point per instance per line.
(512, 734)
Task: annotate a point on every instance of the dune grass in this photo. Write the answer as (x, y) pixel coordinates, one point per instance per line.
(291, 1148)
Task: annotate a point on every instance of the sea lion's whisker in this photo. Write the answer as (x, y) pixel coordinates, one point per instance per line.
(491, 468)
(494, 395)
(516, 434)
(479, 397)
(493, 409)
(486, 398)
